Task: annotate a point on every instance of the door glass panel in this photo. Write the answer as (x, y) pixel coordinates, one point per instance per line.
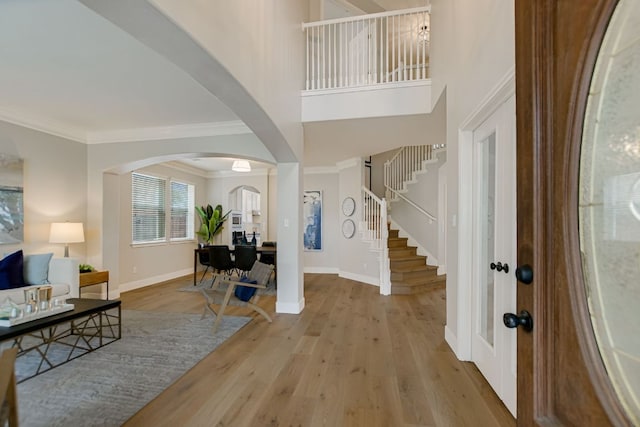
(610, 203)
(487, 191)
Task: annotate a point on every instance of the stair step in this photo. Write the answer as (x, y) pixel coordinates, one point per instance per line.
(416, 287)
(416, 260)
(402, 252)
(412, 272)
(393, 233)
(397, 242)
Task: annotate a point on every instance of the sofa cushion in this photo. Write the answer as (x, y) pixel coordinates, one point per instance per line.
(36, 269)
(11, 271)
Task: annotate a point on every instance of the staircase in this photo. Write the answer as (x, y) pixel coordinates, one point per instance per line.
(410, 273)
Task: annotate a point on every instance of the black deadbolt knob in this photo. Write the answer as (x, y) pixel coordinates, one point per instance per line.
(524, 274)
(513, 321)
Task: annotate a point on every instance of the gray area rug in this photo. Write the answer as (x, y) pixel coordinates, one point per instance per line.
(108, 386)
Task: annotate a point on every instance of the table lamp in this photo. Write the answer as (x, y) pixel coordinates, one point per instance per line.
(66, 232)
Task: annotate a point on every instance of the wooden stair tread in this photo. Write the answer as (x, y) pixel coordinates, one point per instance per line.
(410, 273)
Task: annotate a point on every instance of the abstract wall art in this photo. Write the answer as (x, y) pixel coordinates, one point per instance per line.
(312, 216)
(11, 200)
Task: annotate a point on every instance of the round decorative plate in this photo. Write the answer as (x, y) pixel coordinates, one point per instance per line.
(348, 228)
(348, 206)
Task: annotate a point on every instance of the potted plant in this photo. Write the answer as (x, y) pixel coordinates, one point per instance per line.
(211, 222)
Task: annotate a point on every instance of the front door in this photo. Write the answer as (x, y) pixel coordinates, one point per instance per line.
(493, 346)
(578, 166)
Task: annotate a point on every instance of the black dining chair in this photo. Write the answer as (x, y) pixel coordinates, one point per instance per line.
(246, 255)
(268, 258)
(203, 258)
(220, 259)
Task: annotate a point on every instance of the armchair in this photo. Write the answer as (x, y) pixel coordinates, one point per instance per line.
(219, 295)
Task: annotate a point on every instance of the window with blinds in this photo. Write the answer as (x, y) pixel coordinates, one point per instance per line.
(150, 204)
(182, 210)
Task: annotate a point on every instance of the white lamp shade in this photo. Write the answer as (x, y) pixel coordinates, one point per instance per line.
(66, 232)
(241, 166)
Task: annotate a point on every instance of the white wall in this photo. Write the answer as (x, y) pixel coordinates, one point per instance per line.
(472, 49)
(55, 188)
(377, 171)
(271, 68)
(356, 260)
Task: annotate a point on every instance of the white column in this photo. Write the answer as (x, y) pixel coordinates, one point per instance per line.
(290, 265)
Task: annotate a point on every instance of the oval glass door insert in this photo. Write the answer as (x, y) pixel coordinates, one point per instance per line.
(609, 200)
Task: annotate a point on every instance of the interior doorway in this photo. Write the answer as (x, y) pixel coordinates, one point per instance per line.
(493, 347)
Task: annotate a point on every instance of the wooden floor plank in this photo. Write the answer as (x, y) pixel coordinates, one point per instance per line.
(353, 357)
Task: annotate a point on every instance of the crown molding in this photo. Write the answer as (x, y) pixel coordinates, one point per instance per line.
(345, 164)
(319, 170)
(235, 127)
(232, 174)
(40, 124)
(56, 128)
(182, 167)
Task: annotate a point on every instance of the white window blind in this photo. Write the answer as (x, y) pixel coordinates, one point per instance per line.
(182, 210)
(148, 201)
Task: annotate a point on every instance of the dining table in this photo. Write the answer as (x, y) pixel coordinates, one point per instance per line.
(259, 249)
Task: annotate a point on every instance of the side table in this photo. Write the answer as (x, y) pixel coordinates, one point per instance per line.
(94, 278)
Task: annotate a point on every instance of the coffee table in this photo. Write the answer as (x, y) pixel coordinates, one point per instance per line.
(46, 343)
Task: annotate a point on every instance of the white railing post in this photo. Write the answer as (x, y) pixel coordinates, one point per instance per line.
(367, 50)
(374, 222)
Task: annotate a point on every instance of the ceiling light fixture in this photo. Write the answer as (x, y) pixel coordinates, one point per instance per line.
(241, 166)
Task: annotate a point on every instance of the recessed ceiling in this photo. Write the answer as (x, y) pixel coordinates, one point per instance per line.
(63, 63)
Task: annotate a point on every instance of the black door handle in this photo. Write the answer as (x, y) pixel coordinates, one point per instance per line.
(513, 321)
(492, 266)
(524, 274)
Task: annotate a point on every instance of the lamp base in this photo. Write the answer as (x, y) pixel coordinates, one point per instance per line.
(66, 251)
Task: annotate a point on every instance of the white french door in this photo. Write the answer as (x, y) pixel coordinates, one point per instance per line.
(493, 346)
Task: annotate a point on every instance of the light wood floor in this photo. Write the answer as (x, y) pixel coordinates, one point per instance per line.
(352, 358)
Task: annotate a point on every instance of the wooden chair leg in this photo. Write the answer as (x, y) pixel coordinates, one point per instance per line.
(227, 297)
(259, 310)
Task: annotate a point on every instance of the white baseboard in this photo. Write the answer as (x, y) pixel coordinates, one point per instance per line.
(375, 281)
(442, 269)
(290, 307)
(148, 281)
(322, 270)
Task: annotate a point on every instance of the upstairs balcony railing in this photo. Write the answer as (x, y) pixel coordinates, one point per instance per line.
(365, 50)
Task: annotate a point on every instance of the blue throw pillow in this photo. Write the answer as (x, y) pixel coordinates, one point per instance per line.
(244, 293)
(11, 271)
(36, 269)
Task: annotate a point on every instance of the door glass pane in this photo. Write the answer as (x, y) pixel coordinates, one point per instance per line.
(610, 203)
(487, 200)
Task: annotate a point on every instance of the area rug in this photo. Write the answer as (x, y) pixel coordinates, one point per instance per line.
(108, 386)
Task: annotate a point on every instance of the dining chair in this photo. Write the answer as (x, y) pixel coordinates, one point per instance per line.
(245, 256)
(268, 258)
(203, 258)
(220, 259)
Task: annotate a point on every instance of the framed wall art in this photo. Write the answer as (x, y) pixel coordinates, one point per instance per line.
(312, 215)
(11, 200)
